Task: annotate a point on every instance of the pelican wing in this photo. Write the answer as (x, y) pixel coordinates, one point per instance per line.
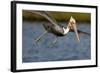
(46, 15)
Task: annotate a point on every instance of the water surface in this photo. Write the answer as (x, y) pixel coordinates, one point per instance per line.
(66, 47)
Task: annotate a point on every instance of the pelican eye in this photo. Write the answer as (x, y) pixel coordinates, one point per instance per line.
(72, 22)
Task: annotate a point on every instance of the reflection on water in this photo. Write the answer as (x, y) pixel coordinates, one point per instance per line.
(66, 47)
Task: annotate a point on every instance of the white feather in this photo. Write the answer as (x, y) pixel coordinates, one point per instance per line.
(66, 30)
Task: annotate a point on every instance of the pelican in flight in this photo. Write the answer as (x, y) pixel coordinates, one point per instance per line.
(54, 28)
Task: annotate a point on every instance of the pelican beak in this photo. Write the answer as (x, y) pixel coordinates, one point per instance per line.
(76, 32)
(73, 24)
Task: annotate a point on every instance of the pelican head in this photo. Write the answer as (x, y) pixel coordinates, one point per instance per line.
(72, 19)
(72, 26)
(72, 23)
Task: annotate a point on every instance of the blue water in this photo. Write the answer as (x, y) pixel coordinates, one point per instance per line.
(66, 47)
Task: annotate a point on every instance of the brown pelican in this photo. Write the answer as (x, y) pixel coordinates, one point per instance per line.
(54, 28)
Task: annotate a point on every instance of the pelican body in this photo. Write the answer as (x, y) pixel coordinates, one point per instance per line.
(60, 30)
(54, 28)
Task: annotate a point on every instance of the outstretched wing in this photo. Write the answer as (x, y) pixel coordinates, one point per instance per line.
(45, 14)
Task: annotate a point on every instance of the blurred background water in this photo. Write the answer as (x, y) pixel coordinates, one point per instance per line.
(66, 47)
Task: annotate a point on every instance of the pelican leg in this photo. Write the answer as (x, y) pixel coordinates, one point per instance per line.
(53, 42)
(39, 38)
